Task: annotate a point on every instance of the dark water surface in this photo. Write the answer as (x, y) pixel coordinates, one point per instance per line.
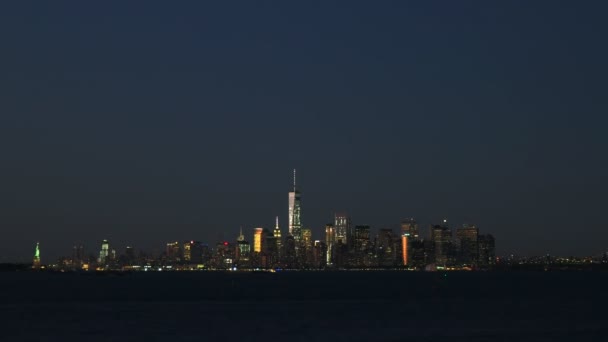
(305, 306)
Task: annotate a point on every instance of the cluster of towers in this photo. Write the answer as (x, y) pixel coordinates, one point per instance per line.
(349, 246)
(345, 246)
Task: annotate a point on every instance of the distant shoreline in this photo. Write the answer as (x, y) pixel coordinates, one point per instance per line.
(601, 267)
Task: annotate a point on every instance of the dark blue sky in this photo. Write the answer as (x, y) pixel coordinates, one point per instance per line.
(147, 122)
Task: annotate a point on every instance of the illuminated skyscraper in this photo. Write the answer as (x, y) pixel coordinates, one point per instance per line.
(308, 244)
(405, 248)
(105, 252)
(187, 251)
(330, 240)
(277, 235)
(295, 224)
(343, 229)
(257, 239)
(36, 262)
(193, 252)
(242, 250)
(361, 245)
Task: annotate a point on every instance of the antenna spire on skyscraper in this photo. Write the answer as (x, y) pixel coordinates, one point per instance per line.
(294, 179)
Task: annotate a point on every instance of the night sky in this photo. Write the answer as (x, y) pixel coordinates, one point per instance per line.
(147, 122)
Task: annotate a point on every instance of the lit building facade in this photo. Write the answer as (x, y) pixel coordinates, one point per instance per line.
(330, 240)
(295, 211)
(362, 245)
(105, 252)
(342, 226)
(277, 235)
(307, 244)
(258, 236)
(405, 248)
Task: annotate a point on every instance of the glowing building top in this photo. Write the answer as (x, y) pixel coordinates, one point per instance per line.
(277, 230)
(241, 237)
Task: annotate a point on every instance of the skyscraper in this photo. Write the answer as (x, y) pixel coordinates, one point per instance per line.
(105, 252)
(405, 248)
(410, 227)
(36, 262)
(257, 239)
(242, 250)
(467, 244)
(277, 235)
(487, 251)
(361, 245)
(343, 229)
(330, 239)
(307, 244)
(78, 257)
(442, 243)
(295, 225)
(386, 252)
(173, 252)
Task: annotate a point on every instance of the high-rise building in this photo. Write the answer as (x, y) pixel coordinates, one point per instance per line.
(362, 245)
(295, 211)
(319, 254)
(130, 255)
(277, 235)
(36, 261)
(307, 244)
(289, 252)
(385, 249)
(270, 253)
(187, 253)
(343, 229)
(193, 252)
(405, 246)
(243, 250)
(105, 252)
(173, 252)
(257, 239)
(410, 227)
(441, 236)
(78, 257)
(467, 243)
(330, 240)
(487, 251)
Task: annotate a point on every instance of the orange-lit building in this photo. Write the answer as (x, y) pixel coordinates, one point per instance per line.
(257, 240)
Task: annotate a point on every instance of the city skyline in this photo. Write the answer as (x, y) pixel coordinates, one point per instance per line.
(341, 222)
(144, 124)
(341, 230)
